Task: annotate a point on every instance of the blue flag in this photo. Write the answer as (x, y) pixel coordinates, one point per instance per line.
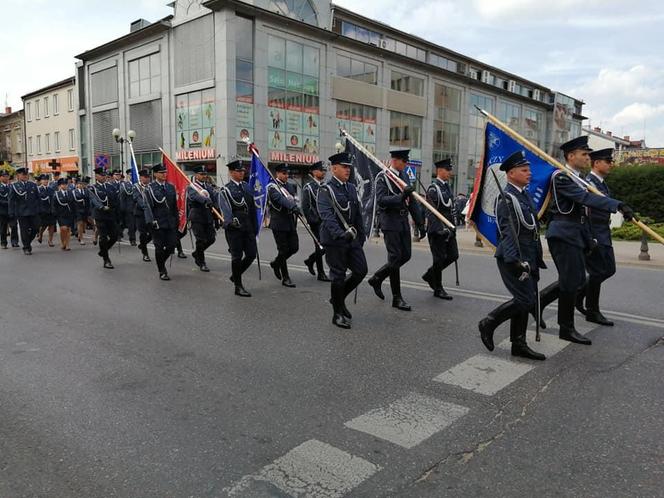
(134, 169)
(259, 177)
(497, 146)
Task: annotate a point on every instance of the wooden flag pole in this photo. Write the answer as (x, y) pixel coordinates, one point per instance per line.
(543, 155)
(398, 180)
(194, 186)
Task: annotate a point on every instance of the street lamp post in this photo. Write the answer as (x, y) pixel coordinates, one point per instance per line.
(117, 135)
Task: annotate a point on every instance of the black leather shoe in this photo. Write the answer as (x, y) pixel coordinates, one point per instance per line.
(108, 264)
(15, 246)
(400, 304)
(164, 276)
(204, 267)
(181, 255)
(571, 335)
(428, 278)
(4, 246)
(376, 284)
(598, 317)
(94, 242)
(323, 278)
(487, 327)
(522, 350)
(344, 311)
(340, 321)
(286, 282)
(146, 258)
(441, 294)
(276, 269)
(132, 243)
(310, 265)
(26, 252)
(241, 291)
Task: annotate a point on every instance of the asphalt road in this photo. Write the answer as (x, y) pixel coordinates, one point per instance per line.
(115, 384)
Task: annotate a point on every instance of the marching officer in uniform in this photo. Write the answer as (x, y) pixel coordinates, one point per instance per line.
(144, 235)
(310, 211)
(63, 208)
(342, 235)
(46, 219)
(394, 204)
(113, 182)
(82, 200)
(126, 189)
(569, 234)
(237, 204)
(104, 201)
(7, 223)
(24, 206)
(601, 262)
(442, 240)
(162, 217)
(199, 204)
(519, 258)
(283, 222)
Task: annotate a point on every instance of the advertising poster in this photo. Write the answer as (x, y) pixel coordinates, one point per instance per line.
(245, 121)
(276, 118)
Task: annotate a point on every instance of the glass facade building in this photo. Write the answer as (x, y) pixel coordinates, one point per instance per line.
(289, 76)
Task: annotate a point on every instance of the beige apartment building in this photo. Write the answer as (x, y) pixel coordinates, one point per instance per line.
(12, 150)
(50, 128)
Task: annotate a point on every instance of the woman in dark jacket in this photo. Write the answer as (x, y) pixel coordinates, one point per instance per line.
(63, 207)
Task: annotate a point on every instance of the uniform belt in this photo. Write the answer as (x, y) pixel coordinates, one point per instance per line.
(577, 218)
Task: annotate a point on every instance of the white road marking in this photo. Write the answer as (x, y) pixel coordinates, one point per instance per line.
(312, 469)
(458, 291)
(484, 374)
(409, 420)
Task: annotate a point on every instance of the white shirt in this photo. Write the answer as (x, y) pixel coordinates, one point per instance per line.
(520, 189)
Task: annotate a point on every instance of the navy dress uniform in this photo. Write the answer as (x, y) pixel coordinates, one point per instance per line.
(113, 185)
(601, 261)
(82, 199)
(126, 194)
(7, 223)
(63, 208)
(283, 223)
(342, 235)
(310, 212)
(24, 206)
(240, 226)
(569, 237)
(394, 205)
(519, 260)
(46, 219)
(162, 217)
(104, 201)
(144, 233)
(200, 200)
(442, 240)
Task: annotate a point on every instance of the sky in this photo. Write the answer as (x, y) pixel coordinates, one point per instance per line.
(608, 53)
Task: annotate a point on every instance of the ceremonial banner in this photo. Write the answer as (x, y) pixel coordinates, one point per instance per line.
(363, 175)
(497, 147)
(176, 177)
(134, 169)
(259, 177)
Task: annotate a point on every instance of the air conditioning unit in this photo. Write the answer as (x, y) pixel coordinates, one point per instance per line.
(536, 94)
(511, 86)
(486, 76)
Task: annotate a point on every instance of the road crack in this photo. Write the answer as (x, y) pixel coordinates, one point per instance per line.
(656, 343)
(465, 456)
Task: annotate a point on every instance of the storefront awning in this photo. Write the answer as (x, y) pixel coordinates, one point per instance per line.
(61, 164)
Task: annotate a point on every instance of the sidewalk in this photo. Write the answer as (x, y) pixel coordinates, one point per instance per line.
(627, 252)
